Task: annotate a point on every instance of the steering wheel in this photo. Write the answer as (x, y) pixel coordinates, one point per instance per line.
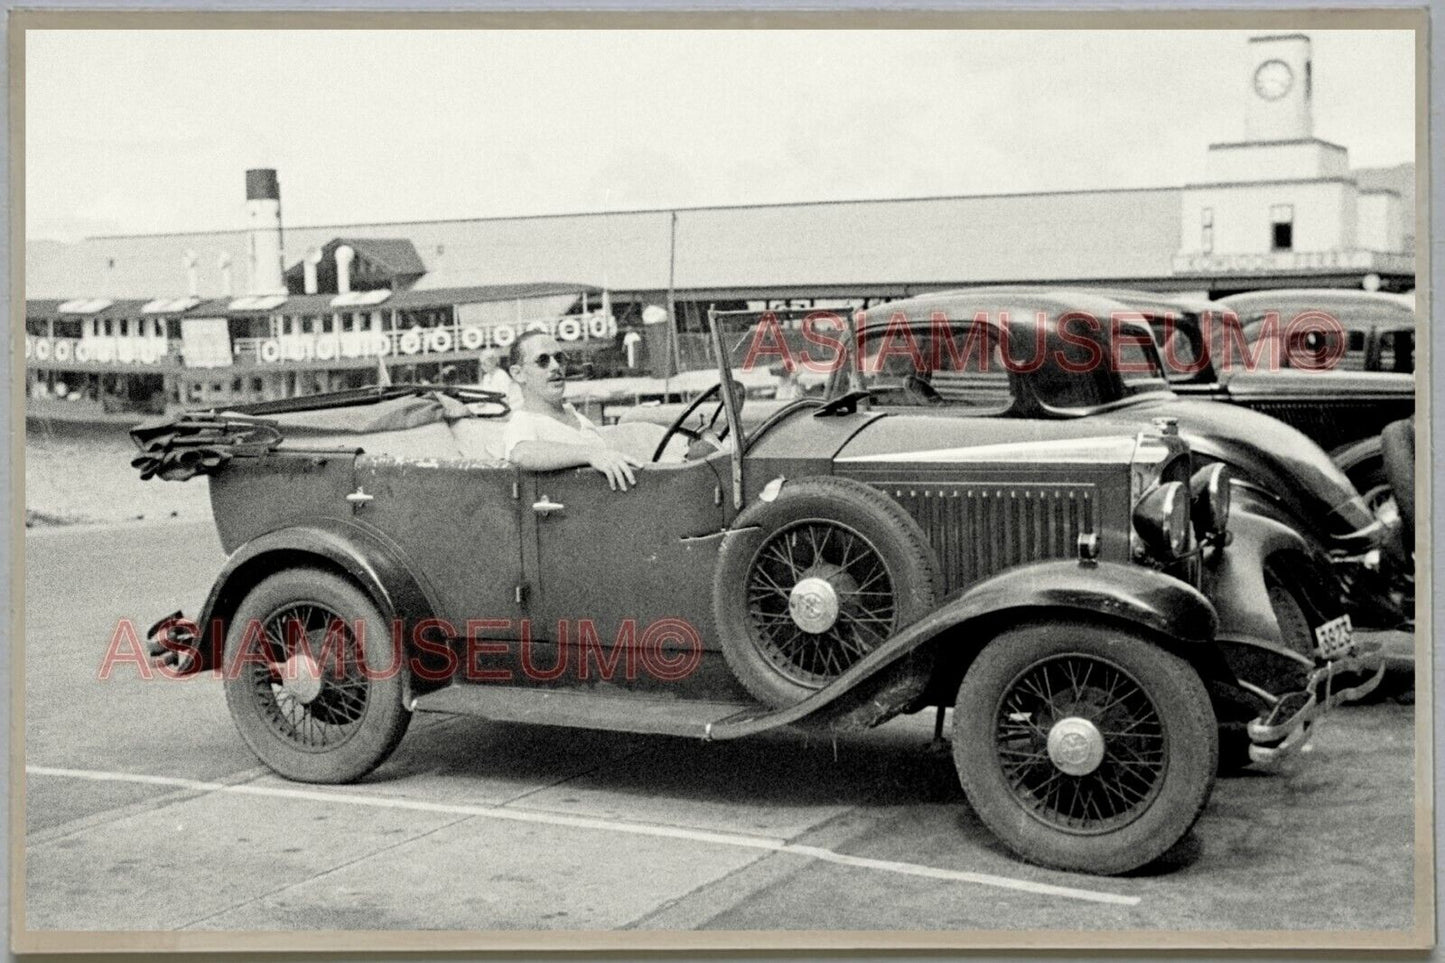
(679, 427)
(921, 391)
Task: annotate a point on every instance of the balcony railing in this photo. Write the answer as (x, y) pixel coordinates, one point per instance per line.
(417, 342)
(148, 353)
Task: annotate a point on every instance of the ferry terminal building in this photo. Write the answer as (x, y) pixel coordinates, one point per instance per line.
(267, 311)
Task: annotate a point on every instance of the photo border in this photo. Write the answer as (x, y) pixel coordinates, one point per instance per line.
(1420, 937)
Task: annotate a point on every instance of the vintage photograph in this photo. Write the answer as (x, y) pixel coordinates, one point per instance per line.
(574, 486)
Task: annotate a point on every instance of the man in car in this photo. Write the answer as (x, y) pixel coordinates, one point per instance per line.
(546, 433)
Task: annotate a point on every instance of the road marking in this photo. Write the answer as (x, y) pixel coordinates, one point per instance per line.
(739, 840)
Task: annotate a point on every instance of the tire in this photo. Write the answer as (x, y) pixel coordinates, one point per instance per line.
(351, 724)
(1373, 485)
(1143, 793)
(879, 571)
(1397, 444)
(1289, 614)
(1234, 746)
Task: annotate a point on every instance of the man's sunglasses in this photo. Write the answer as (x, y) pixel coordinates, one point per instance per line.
(546, 358)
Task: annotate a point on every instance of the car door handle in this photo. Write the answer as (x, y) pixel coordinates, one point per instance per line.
(546, 506)
(359, 497)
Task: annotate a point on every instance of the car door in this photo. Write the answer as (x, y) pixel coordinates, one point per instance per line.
(621, 562)
(457, 524)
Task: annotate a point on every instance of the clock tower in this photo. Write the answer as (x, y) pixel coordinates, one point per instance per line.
(1280, 200)
(1279, 93)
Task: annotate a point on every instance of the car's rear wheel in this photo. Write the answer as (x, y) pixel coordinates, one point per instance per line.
(833, 571)
(1084, 747)
(312, 682)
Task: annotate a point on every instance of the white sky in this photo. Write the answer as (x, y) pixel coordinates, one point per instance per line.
(148, 132)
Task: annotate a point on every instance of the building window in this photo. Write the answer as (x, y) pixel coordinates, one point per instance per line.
(1206, 230)
(1282, 224)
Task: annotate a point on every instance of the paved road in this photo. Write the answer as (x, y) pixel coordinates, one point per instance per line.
(144, 811)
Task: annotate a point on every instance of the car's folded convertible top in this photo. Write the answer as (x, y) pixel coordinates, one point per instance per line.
(417, 424)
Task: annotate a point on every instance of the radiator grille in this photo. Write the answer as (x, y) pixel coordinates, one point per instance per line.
(977, 530)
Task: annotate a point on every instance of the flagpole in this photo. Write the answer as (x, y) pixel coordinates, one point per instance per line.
(676, 366)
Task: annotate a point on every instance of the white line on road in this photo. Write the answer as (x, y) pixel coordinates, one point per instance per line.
(607, 825)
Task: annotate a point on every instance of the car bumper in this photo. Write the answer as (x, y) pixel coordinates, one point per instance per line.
(1350, 670)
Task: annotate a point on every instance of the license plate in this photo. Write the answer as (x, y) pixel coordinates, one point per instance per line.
(1335, 637)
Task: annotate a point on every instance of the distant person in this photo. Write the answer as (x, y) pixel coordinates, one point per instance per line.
(495, 378)
(545, 433)
(789, 387)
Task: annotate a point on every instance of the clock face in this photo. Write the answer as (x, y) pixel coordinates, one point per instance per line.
(1273, 79)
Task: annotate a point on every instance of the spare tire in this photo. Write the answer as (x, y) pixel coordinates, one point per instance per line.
(830, 570)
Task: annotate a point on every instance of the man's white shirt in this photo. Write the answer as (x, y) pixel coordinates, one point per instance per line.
(529, 426)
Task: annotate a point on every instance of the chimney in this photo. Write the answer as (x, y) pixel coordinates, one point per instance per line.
(224, 263)
(308, 265)
(193, 283)
(344, 256)
(263, 221)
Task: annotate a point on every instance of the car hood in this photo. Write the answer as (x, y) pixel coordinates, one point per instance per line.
(1279, 457)
(931, 438)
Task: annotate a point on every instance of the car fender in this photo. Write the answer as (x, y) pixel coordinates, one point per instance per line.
(362, 555)
(1235, 577)
(1249, 633)
(1172, 612)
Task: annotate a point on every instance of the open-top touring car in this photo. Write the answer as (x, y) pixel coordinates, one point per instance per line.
(830, 567)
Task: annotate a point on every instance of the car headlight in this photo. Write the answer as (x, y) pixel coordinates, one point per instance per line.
(1209, 493)
(1162, 519)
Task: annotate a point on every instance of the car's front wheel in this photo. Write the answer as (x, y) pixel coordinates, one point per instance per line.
(312, 682)
(835, 570)
(1084, 747)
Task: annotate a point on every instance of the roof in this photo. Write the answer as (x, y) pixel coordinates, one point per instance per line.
(1068, 236)
(1347, 305)
(1132, 299)
(395, 254)
(42, 308)
(1020, 303)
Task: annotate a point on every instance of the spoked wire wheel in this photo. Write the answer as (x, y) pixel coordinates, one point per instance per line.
(1081, 743)
(311, 679)
(820, 597)
(1084, 746)
(814, 578)
(311, 689)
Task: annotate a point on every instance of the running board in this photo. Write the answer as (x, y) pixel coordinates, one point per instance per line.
(611, 709)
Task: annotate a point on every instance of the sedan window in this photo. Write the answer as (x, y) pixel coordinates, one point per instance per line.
(1397, 351)
(935, 375)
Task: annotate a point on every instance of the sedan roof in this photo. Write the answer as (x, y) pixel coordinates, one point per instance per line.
(1352, 308)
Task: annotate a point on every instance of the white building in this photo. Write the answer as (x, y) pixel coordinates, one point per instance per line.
(1283, 199)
